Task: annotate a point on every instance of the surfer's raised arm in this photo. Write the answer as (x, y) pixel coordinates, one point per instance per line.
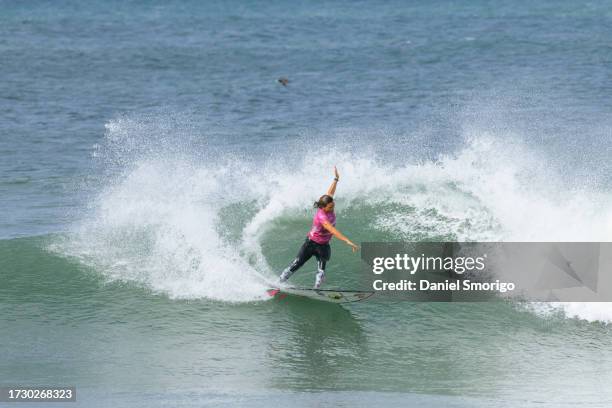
(334, 231)
(328, 225)
(332, 188)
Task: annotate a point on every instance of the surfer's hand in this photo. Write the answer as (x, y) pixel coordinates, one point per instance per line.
(354, 247)
(336, 173)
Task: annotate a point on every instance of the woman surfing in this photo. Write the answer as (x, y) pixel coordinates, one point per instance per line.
(317, 240)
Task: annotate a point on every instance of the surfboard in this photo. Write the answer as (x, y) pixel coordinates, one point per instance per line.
(326, 295)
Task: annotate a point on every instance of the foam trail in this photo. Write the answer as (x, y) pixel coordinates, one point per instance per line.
(592, 312)
(156, 227)
(588, 311)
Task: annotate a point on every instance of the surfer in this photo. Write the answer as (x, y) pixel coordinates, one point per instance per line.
(317, 240)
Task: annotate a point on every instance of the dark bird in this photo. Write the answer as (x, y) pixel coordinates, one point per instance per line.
(284, 81)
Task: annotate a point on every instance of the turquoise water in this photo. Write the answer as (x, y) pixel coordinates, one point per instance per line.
(155, 177)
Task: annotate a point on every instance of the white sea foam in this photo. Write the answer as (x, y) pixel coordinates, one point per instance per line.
(588, 311)
(159, 219)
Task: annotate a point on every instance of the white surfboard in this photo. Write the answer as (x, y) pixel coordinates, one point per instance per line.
(326, 295)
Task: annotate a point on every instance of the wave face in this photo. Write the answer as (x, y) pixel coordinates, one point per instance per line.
(194, 219)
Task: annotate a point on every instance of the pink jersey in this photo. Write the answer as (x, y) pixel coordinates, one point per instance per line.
(318, 233)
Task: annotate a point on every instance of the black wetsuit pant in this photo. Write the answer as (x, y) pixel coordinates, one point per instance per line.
(309, 249)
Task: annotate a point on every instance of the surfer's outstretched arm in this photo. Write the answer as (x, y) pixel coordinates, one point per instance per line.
(340, 235)
(332, 189)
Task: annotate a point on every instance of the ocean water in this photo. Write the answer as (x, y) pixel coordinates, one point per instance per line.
(155, 178)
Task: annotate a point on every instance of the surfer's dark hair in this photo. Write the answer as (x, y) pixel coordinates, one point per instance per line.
(323, 201)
